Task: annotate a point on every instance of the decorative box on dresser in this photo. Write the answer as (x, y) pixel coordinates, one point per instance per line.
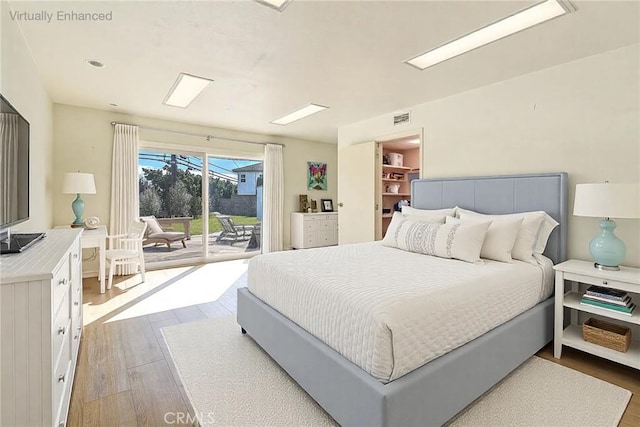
(40, 329)
(313, 230)
(572, 279)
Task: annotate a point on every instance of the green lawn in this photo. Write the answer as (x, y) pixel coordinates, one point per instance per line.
(214, 225)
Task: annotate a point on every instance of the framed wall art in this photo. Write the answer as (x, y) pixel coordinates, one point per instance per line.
(316, 176)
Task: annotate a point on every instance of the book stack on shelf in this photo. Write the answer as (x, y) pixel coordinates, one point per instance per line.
(608, 299)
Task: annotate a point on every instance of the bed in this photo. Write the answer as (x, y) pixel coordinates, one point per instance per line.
(437, 390)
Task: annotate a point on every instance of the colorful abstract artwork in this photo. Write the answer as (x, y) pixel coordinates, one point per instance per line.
(316, 176)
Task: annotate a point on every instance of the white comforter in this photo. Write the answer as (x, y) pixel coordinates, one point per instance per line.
(390, 311)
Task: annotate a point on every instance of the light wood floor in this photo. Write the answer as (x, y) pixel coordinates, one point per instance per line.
(125, 376)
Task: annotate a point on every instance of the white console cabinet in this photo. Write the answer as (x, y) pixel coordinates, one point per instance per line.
(312, 230)
(40, 329)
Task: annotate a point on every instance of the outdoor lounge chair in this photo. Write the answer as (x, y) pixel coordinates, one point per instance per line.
(232, 232)
(156, 234)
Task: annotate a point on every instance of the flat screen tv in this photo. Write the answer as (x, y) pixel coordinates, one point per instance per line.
(14, 166)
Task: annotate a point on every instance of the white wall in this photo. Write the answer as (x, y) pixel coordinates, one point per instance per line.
(83, 141)
(21, 85)
(581, 117)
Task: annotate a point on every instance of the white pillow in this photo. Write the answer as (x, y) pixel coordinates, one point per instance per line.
(409, 211)
(430, 216)
(527, 241)
(547, 227)
(500, 239)
(461, 241)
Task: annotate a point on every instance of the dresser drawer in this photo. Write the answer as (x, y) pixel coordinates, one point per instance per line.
(61, 382)
(310, 240)
(328, 238)
(61, 325)
(61, 282)
(328, 224)
(311, 225)
(75, 258)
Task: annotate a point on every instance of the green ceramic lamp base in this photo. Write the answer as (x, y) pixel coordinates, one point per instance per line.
(607, 250)
(78, 209)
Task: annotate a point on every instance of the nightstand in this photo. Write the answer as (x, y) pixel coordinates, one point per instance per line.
(581, 274)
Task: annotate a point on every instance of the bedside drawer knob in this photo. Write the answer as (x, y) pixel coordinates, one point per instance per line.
(76, 303)
(62, 282)
(604, 282)
(61, 378)
(75, 337)
(62, 330)
(75, 256)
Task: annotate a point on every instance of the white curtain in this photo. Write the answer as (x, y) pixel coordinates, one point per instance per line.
(8, 167)
(124, 184)
(273, 203)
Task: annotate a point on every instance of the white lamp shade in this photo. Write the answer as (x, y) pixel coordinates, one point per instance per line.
(607, 200)
(78, 183)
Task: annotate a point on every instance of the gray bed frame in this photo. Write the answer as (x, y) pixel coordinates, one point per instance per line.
(437, 391)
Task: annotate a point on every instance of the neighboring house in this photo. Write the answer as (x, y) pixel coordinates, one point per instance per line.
(248, 177)
(248, 201)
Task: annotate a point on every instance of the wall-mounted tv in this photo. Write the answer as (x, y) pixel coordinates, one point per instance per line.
(14, 166)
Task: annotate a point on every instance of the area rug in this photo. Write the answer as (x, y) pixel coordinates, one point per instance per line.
(231, 381)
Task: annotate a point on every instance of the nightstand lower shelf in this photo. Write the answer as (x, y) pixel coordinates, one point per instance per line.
(572, 337)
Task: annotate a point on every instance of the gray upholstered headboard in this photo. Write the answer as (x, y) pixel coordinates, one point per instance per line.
(502, 195)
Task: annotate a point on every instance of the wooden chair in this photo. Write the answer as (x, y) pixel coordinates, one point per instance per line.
(232, 232)
(127, 250)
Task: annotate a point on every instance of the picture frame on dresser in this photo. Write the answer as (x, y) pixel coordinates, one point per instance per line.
(327, 205)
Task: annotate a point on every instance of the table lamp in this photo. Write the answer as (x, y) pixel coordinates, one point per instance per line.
(78, 183)
(607, 201)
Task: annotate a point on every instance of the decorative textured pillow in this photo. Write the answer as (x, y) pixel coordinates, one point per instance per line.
(500, 239)
(523, 248)
(460, 241)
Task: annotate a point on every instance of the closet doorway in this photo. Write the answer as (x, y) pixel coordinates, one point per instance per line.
(400, 162)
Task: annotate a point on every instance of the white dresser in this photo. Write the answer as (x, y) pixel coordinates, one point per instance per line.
(40, 329)
(312, 230)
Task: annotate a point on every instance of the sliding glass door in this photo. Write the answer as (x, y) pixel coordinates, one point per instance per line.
(170, 186)
(235, 205)
(190, 219)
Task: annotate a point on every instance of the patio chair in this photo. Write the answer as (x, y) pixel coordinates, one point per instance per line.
(232, 232)
(127, 250)
(156, 234)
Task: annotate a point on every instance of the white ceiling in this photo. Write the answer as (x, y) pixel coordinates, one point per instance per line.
(345, 55)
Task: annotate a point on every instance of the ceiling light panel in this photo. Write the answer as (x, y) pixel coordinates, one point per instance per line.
(522, 20)
(299, 114)
(185, 90)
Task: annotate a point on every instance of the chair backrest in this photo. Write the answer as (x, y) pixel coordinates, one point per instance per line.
(136, 229)
(227, 223)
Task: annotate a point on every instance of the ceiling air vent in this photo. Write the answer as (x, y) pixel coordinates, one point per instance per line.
(402, 118)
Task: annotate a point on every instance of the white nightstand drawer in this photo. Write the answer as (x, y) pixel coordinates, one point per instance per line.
(601, 282)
